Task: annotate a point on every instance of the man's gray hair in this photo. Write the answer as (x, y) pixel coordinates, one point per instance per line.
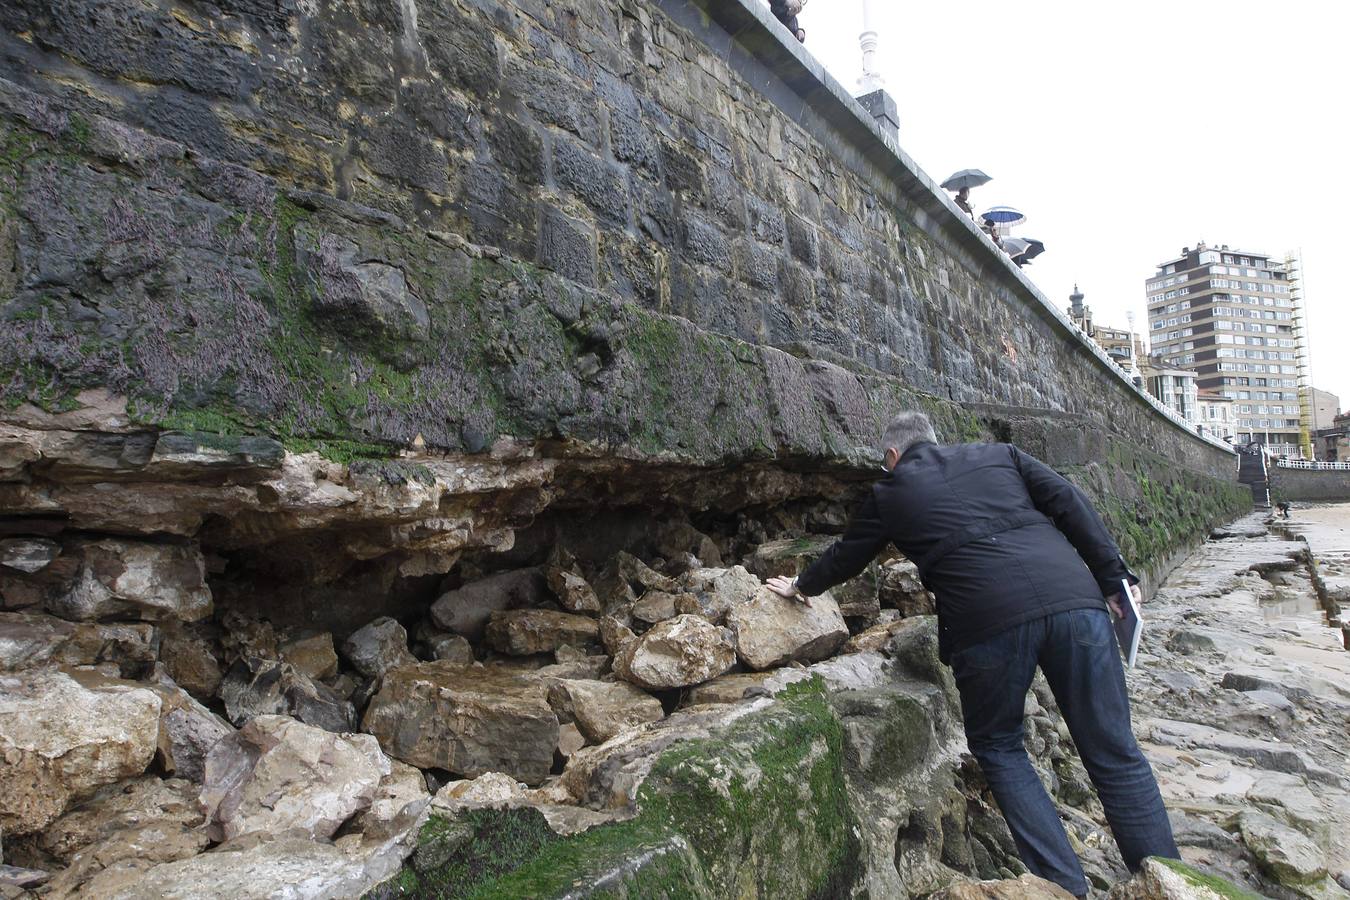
(907, 429)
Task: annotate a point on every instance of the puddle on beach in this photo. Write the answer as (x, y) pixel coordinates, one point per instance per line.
(1286, 602)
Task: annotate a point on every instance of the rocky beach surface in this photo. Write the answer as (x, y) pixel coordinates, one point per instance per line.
(649, 723)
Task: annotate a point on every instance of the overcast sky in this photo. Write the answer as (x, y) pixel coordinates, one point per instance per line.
(1127, 131)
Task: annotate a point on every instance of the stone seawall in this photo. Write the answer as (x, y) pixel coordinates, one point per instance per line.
(1310, 485)
(371, 362)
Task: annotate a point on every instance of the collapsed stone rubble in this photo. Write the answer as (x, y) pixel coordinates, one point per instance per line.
(165, 735)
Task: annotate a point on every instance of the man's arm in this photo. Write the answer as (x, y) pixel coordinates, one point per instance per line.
(1072, 513)
(846, 557)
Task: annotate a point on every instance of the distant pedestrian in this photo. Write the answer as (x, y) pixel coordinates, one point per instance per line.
(786, 12)
(991, 229)
(1026, 575)
(1283, 507)
(963, 201)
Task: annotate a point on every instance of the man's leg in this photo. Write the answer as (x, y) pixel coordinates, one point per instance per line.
(993, 678)
(1082, 663)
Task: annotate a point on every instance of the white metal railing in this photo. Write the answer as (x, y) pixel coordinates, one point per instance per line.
(1310, 464)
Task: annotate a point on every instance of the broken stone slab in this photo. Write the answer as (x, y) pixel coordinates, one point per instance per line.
(123, 829)
(1283, 853)
(187, 731)
(1257, 681)
(602, 709)
(571, 588)
(31, 639)
(262, 687)
(523, 632)
(878, 636)
(190, 456)
(28, 554)
(1024, 887)
(22, 879)
(657, 606)
(378, 647)
(190, 660)
(451, 648)
(113, 577)
(772, 631)
(788, 558)
(466, 719)
(400, 800)
(277, 774)
(1172, 879)
(312, 656)
(570, 739)
(737, 686)
(254, 866)
(63, 735)
(607, 776)
(465, 610)
(678, 652)
(900, 588)
(719, 590)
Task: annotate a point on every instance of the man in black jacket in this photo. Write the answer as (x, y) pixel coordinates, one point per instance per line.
(1025, 574)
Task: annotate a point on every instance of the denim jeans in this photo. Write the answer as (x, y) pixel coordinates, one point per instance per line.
(1077, 652)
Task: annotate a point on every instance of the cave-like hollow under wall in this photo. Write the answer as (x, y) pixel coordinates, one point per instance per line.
(351, 294)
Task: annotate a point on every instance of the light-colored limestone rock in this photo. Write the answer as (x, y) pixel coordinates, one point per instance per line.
(467, 719)
(773, 631)
(63, 735)
(602, 709)
(31, 639)
(265, 687)
(720, 590)
(523, 632)
(1284, 853)
(136, 578)
(679, 652)
(312, 656)
(1173, 880)
(190, 661)
(276, 774)
(123, 830)
(267, 867)
(28, 554)
(187, 731)
(399, 801)
(465, 610)
(1025, 887)
(378, 647)
(571, 588)
(657, 606)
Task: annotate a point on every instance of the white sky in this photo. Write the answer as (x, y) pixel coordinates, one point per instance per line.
(1127, 131)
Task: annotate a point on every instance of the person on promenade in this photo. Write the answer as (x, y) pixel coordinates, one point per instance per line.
(1025, 575)
(786, 12)
(963, 200)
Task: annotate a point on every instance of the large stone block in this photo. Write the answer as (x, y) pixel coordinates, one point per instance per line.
(133, 578)
(679, 652)
(467, 719)
(773, 631)
(61, 738)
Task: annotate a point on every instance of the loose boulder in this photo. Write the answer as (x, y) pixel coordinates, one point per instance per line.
(602, 709)
(1286, 855)
(679, 652)
(123, 830)
(277, 774)
(187, 731)
(62, 736)
(467, 719)
(312, 656)
(29, 639)
(378, 647)
(524, 632)
(718, 591)
(772, 631)
(133, 578)
(264, 687)
(465, 610)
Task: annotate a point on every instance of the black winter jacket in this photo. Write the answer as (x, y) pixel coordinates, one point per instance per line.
(998, 536)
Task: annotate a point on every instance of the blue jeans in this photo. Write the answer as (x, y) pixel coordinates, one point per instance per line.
(1077, 652)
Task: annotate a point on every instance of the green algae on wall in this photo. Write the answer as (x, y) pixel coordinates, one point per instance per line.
(761, 810)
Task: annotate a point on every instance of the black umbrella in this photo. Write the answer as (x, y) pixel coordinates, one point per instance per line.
(1022, 250)
(966, 178)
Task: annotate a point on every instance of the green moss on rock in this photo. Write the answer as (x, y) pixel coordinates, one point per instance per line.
(761, 809)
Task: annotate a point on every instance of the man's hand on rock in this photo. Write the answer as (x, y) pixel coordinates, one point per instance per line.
(787, 588)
